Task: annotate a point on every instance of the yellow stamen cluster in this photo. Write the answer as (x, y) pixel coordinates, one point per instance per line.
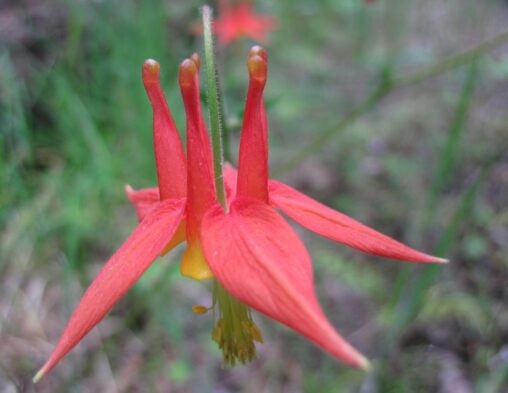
(234, 330)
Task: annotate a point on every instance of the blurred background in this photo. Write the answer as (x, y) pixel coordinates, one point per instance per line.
(370, 111)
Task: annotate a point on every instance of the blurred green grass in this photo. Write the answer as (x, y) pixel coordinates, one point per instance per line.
(427, 164)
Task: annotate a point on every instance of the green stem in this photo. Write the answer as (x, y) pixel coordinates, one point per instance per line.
(389, 85)
(226, 134)
(213, 105)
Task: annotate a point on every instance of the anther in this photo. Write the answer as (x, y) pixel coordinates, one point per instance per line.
(253, 330)
(150, 71)
(199, 309)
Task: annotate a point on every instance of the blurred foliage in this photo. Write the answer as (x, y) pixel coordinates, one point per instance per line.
(425, 163)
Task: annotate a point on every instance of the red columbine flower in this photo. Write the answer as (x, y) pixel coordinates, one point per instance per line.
(253, 253)
(237, 21)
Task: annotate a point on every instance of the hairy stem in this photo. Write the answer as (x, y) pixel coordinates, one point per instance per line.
(213, 105)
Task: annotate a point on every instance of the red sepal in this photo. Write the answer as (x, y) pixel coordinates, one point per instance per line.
(144, 200)
(259, 259)
(339, 227)
(124, 268)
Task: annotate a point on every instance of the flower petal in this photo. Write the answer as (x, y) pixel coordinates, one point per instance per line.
(339, 227)
(144, 200)
(230, 177)
(200, 183)
(253, 156)
(169, 154)
(124, 268)
(259, 259)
